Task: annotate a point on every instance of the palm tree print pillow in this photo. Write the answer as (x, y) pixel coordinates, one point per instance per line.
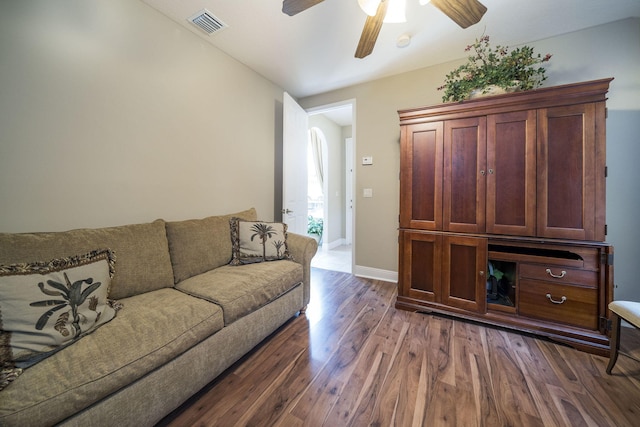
(45, 306)
(257, 241)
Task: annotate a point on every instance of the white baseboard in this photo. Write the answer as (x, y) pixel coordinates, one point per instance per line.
(333, 245)
(376, 273)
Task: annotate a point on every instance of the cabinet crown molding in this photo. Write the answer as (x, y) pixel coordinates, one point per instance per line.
(553, 96)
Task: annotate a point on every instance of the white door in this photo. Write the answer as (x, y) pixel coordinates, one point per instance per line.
(294, 164)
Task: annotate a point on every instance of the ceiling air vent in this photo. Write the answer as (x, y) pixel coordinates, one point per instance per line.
(207, 22)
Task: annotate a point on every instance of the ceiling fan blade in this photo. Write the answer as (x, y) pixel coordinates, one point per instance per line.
(292, 7)
(463, 12)
(371, 30)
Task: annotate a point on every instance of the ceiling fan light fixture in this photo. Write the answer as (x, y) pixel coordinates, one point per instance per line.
(396, 10)
(368, 6)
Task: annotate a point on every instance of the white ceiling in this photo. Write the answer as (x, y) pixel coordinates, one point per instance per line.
(313, 52)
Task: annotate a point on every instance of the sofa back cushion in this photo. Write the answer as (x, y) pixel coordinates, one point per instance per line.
(200, 245)
(141, 250)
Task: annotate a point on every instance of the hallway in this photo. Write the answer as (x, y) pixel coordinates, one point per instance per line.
(336, 259)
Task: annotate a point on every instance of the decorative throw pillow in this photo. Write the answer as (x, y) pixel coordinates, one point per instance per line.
(45, 306)
(257, 241)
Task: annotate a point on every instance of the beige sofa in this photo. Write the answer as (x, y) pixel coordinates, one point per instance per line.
(187, 316)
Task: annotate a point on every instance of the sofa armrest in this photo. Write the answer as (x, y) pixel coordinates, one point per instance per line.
(303, 248)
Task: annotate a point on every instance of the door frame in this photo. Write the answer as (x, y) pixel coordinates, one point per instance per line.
(323, 109)
(349, 195)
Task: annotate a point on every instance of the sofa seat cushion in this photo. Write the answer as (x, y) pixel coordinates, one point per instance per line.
(150, 330)
(240, 290)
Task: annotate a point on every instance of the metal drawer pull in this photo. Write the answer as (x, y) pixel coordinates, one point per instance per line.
(563, 299)
(564, 273)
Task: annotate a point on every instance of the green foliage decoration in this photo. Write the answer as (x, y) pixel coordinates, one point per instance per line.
(516, 70)
(315, 226)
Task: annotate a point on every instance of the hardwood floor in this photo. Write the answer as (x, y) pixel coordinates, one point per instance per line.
(354, 360)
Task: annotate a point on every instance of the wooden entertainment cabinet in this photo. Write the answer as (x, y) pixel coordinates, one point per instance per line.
(502, 212)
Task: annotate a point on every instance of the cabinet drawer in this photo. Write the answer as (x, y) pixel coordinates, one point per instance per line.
(559, 274)
(572, 305)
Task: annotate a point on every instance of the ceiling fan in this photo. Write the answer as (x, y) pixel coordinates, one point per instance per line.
(463, 12)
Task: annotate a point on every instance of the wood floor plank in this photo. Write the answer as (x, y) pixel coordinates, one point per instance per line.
(537, 384)
(267, 404)
(562, 368)
(339, 365)
(462, 350)
(421, 395)
(443, 411)
(594, 410)
(509, 384)
(397, 399)
(465, 399)
(385, 401)
(366, 400)
(486, 406)
(368, 364)
(413, 385)
(355, 360)
(568, 408)
(275, 406)
(535, 364)
(439, 353)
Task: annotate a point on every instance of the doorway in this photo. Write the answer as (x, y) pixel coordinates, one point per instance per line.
(337, 123)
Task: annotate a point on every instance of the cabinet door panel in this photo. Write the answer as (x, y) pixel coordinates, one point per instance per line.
(464, 278)
(464, 175)
(511, 173)
(421, 176)
(421, 262)
(567, 172)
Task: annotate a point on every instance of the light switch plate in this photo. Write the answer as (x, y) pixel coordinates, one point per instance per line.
(367, 192)
(367, 160)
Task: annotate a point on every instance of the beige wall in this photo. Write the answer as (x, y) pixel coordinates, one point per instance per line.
(110, 113)
(611, 50)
